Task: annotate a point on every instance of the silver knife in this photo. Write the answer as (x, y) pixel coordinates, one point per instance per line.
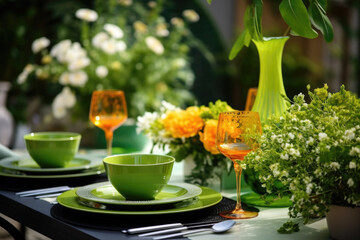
(174, 230)
(165, 226)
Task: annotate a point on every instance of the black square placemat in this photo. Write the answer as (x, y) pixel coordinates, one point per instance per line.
(120, 222)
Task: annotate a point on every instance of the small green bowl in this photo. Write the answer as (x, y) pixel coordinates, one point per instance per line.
(52, 149)
(139, 176)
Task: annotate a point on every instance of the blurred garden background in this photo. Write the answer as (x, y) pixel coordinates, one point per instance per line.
(305, 61)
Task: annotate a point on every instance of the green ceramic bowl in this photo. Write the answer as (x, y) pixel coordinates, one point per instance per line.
(52, 149)
(138, 176)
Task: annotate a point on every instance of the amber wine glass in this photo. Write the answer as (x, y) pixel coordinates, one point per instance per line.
(237, 134)
(108, 111)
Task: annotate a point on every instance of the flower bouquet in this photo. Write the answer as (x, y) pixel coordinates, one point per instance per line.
(126, 45)
(189, 132)
(312, 154)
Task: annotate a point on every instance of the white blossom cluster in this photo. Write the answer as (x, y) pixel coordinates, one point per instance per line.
(108, 56)
(312, 153)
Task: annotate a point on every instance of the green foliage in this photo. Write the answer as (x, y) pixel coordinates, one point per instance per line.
(313, 152)
(297, 16)
(146, 75)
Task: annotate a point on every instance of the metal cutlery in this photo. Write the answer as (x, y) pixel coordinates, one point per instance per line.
(43, 191)
(178, 226)
(216, 228)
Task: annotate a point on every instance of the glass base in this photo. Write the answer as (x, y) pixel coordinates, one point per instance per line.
(239, 214)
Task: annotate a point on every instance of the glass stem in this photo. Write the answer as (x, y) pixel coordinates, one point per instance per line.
(109, 139)
(238, 170)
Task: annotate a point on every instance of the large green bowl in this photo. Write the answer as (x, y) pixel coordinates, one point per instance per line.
(139, 176)
(52, 149)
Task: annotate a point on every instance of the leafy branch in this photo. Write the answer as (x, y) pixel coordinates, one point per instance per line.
(301, 21)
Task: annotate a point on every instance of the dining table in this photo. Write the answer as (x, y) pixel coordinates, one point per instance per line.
(55, 221)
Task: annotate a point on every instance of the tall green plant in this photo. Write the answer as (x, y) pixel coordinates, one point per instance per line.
(301, 16)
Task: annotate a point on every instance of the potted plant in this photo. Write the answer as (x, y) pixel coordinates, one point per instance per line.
(126, 45)
(312, 153)
(189, 135)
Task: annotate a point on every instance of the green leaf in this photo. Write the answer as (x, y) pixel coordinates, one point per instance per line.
(243, 40)
(257, 12)
(296, 16)
(209, 1)
(321, 21)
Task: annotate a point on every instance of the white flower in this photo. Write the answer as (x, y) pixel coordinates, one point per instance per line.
(60, 49)
(78, 79)
(99, 39)
(161, 30)
(291, 135)
(101, 71)
(114, 30)
(179, 63)
(350, 182)
(78, 64)
(68, 97)
(284, 156)
(120, 46)
(349, 134)
(87, 15)
(29, 68)
(154, 45)
(322, 136)
(58, 108)
(144, 122)
(294, 152)
(335, 165)
(273, 137)
(177, 22)
(355, 151)
(109, 46)
(40, 44)
(352, 165)
(22, 77)
(65, 99)
(74, 53)
(310, 141)
(64, 78)
(309, 188)
(191, 15)
(166, 106)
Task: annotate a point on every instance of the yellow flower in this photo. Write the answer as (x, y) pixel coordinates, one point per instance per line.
(140, 27)
(183, 123)
(116, 65)
(208, 137)
(46, 59)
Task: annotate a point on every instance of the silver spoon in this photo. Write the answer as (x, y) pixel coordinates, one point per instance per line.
(216, 228)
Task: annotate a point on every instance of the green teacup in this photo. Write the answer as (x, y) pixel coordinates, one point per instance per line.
(139, 176)
(52, 149)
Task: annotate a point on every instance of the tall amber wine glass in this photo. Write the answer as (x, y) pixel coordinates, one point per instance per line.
(236, 136)
(108, 111)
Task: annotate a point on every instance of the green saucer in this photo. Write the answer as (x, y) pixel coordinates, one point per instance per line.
(26, 164)
(207, 198)
(105, 193)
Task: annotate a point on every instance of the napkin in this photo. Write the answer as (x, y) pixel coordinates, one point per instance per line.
(6, 152)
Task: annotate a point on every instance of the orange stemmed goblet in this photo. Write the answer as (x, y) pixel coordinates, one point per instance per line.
(108, 111)
(236, 136)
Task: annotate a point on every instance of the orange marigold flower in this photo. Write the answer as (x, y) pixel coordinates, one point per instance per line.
(183, 123)
(208, 137)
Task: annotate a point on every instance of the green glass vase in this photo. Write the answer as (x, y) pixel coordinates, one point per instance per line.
(269, 101)
(270, 95)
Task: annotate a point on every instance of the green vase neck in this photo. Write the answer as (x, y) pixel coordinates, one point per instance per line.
(269, 100)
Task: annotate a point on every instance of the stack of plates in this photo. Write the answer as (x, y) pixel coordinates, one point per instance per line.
(174, 198)
(26, 167)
